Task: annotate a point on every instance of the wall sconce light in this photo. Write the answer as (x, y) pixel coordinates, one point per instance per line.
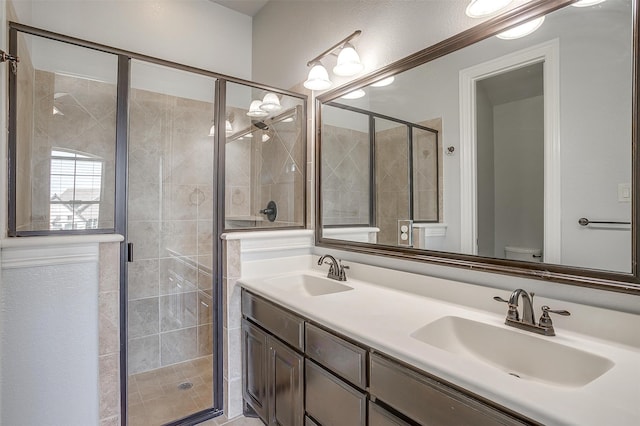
(482, 8)
(348, 64)
(522, 30)
(270, 103)
(227, 127)
(255, 109)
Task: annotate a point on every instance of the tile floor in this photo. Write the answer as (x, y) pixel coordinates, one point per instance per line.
(155, 398)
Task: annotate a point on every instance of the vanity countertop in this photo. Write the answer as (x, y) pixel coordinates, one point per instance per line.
(384, 317)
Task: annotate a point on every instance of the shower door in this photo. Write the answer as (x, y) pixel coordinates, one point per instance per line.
(170, 307)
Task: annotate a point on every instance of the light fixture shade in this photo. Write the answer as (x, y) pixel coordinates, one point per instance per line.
(587, 3)
(318, 78)
(212, 130)
(348, 62)
(255, 110)
(522, 30)
(356, 94)
(382, 83)
(228, 127)
(481, 8)
(270, 103)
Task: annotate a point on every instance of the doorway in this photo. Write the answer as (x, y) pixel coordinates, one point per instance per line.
(475, 177)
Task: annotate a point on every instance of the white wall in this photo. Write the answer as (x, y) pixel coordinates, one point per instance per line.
(198, 33)
(49, 315)
(519, 174)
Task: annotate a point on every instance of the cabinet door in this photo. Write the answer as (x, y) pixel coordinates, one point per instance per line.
(285, 385)
(254, 368)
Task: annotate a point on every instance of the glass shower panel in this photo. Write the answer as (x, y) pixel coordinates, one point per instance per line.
(65, 136)
(264, 159)
(346, 174)
(170, 223)
(392, 178)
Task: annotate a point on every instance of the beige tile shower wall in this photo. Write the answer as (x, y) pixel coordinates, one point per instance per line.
(170, 223)
(109, 333)
(282, 179)
(345, 176)
(392, 182)
(24, 136)
(232, 331)
(87, 126)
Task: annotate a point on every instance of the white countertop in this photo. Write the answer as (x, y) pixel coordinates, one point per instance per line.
(383, 318)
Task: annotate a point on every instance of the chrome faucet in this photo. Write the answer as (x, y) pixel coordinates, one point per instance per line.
(336, 268)
(528, 321)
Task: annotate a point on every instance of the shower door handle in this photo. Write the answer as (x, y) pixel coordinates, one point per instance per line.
(129, 252)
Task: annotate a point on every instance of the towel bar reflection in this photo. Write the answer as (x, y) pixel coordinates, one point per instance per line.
(583, 221)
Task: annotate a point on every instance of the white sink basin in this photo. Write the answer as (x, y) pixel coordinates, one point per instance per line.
(309, 285)
(522, 355)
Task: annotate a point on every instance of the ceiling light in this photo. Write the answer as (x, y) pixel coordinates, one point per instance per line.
(587, 3)
(348, 62)
(356, 94)
(255, 110)
(318, 78)
(270, 103)
(387, 81)
(481, 8)
(522, 30)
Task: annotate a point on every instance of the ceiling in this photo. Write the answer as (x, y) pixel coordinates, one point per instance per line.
(247, 7)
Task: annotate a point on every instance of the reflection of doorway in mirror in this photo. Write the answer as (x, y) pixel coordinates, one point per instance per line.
(510, 159)
(510, 156)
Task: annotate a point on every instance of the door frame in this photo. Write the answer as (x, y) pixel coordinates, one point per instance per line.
(549, 54)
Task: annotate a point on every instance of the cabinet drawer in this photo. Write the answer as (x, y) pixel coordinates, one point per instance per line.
(378, 416)
(281, 323)
(427, 401)
(331, 401)
(343, 358)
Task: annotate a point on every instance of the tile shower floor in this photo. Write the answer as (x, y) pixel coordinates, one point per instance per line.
(156, 397)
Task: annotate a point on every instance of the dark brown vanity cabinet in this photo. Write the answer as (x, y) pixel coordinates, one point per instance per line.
(272, 372)
(296, 373)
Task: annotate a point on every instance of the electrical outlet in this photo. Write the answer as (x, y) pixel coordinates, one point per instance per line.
(405, 233)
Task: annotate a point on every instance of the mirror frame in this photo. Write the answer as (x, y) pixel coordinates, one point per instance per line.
(599, 279)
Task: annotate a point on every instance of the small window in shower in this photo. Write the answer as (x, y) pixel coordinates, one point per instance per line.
(76, 190)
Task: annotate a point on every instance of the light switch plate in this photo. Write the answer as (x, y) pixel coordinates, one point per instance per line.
(624, 193)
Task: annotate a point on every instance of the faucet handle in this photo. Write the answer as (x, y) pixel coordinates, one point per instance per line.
(500, 299)
(545, 319)
(512, 313)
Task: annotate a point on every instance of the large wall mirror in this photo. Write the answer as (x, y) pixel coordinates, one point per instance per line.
(504, 153)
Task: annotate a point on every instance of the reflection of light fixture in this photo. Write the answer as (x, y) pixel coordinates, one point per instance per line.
(56, 111)
(481, 8)
(255, 110)
(318, 78)
(348, 64)
(270, 103)
(522, 30)
(227, 127)
(356, 94)
(587, 3)
(387, 81)
(348, 61)
(265, 137)
(289, 119)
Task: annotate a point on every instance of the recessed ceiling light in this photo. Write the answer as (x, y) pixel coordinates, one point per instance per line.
(522, 30)
(482, 8)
